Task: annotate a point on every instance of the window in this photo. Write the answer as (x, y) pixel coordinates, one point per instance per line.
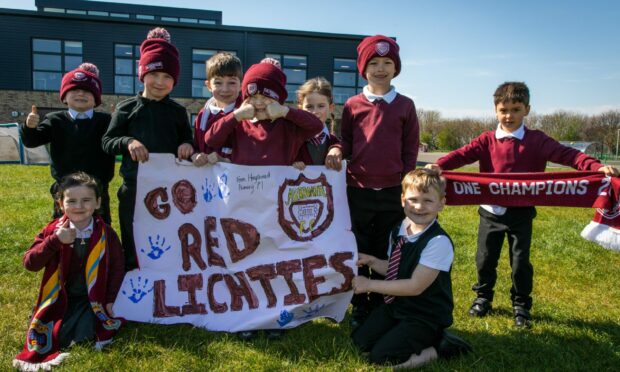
(189, 20)
(169, 19)
(206, 22)
(74, 11)
(295, 68)
(126, 59)
(119, 15)
(54, 10)
(347, 82)
(98, 13)
(145, 16)
(52, 58)
(199, 71)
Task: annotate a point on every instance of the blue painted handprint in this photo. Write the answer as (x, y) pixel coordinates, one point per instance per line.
(312, 312)
(157, 248)
(207, 191)
(138, 291)
(285, 318)
(223, 191)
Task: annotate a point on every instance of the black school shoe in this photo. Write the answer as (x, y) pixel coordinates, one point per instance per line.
(523, 319)
(451, 346)
(480, 308)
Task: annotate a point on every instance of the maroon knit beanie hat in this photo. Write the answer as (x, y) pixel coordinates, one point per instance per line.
(267, 79)
(377, 46)
(85, 77)
(158, 54)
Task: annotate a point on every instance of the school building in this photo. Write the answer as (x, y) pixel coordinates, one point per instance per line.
(40, 46)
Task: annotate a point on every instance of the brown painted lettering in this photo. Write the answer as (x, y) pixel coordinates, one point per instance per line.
(157, 210)
(337, 262)
(249, 234)
(189, 284)
(264, 274)
(216, 307)
(311, 263)
(190, 250)
(160, 309)
(213, 258)
(286, 269)
(242, 289)
(184, 196)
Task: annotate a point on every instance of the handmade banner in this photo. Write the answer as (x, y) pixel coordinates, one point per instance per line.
(563, 189)
(232, 248)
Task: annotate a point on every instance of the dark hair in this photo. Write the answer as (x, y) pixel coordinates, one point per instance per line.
(512, 91)
(224, 64)
(75, 180)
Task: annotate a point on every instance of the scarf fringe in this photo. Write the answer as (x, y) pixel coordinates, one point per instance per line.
(604, 235)
(46, 366)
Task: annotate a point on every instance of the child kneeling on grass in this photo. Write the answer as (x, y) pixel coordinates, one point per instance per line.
(84, 269)
(406, 331)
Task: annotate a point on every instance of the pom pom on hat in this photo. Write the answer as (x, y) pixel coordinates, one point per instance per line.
(377, 46)
(265, 78)
(85, 77)
(158, 54)
(273, 61)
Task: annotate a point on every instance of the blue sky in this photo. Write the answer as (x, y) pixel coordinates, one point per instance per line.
(455, 53)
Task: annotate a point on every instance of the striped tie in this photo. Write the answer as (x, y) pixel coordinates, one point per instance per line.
(392, 270)
(316, 141)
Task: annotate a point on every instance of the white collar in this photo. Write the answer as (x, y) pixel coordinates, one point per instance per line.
(214, 109)
(412, 238)
(84, 233)
(387, 97)
(518, 134)
(74, 114)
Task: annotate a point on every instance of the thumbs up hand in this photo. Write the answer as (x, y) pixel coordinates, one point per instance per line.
(32, 121)
(65, 233)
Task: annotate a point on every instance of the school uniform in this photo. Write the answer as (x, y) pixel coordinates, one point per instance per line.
(264, 142)
(522, 151)
(74, 145)
(208, 115)
(314, 150)
(406, 325)
(380, 137)
(161, 126)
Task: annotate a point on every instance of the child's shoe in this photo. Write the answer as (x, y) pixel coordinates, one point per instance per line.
(451, 346)
(523, 319)
(481, 307)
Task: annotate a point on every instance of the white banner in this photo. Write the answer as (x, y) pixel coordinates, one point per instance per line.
(231, 248)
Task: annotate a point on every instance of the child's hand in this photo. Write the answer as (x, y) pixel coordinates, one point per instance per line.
(32, 121)
(299, 165)
(333, 160)
(361, 284)
(364, 259)
(138, 151)
(66, 234)
(199, 159)
(245, 111)
(275, 110)
(433, 167)
(185, 151)
(609, 171)
(108, 309)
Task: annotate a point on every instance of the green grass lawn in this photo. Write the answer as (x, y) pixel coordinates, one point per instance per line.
(576, 304)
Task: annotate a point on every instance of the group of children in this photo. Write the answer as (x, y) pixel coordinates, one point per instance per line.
(403, 296)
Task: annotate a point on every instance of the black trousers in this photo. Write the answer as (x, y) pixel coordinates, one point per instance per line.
(391, 340)
(104, 210)
(516, 224)
(126, 208)
(374, 213)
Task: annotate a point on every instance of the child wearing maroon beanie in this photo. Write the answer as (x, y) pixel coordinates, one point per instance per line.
(74, 135)
(148, 122)
(380, 137)
(263, 131)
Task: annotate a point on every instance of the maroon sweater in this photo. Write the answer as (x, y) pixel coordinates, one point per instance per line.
(46, 247)
(264, 142)
(511, 155)
(199, 134)
(381, 139)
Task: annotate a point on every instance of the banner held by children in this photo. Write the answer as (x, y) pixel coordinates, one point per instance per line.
(232, 248)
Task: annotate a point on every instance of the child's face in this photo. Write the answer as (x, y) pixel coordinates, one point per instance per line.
(225, 89)
(380, 71)
(80, 100)
(157, 85)
(317, 104)
(422, 207)
(79, 203)
(260, 104)
(511, 114)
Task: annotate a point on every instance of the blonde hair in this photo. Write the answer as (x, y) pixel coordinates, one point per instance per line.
(318, 85)
(423, 180)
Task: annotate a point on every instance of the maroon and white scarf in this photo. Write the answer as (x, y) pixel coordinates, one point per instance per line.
(560, 189)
